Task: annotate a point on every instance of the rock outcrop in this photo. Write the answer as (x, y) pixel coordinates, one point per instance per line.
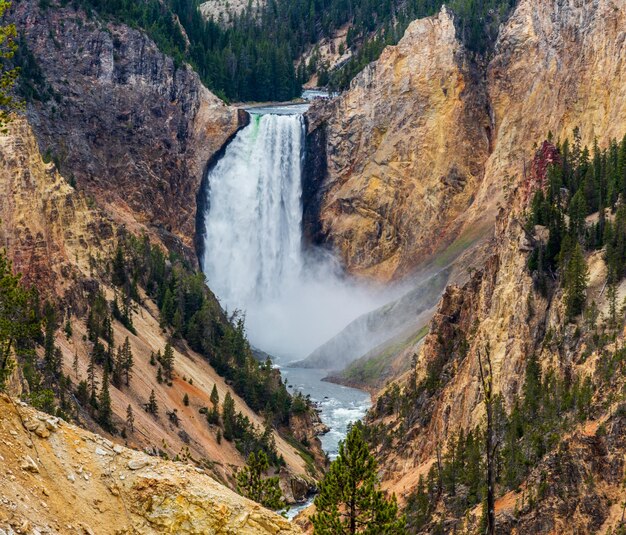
(67, 480)
(125, 122)
(422, 148)
(405, 149)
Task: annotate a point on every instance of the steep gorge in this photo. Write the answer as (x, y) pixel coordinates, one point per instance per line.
(114, 145)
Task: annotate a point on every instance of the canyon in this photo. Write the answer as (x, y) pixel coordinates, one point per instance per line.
(419, 178)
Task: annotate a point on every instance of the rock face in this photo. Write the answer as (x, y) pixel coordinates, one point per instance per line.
(421, 148)
(72, 481)
(405, 151)
(125, 122)
(557, 66)
(50, 230)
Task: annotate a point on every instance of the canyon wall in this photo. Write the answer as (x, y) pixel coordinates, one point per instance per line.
(421, 150)
(405, 147)
(123, 121)
(557, 65)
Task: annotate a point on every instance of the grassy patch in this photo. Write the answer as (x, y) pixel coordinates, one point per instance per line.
(369, 371)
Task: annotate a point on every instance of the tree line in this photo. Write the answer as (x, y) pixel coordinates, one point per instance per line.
(581, 184)
(256, 57)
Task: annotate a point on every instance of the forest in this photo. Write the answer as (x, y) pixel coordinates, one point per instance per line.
(257, 57)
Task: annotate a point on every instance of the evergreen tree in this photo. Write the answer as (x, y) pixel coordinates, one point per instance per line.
(105, 411)
(127, 361)
(349, 499)
(8, 76)
(130, 419)
(91, 380)
(118, 270)
(228, 417)
(186, 400)
(168, 361)
(18, 309)
(152, 407)
(75, 365)
(215, 397)
(252, 484)
(576, 277)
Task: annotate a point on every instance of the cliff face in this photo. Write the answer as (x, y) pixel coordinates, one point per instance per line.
(421, 148)
(50, 231)
(130, 126)
(557, 65)
(405, 151)
(66, 480)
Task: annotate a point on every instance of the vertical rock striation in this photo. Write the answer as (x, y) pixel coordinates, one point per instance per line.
(405, 151)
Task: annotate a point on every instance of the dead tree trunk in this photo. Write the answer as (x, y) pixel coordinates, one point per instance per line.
(486, 378)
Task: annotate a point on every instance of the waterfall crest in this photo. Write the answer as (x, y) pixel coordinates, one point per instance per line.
(253, 256)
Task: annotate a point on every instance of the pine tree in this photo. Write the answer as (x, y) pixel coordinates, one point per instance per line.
(68, 327)
(130, 419)
(152, 407)
(127, 361)
(168, 361)
(75, 365)
(252, 484)
(104, 403)
(349, 499)
(118, 271)
(576, 277)
(118, 366)
(8, 77)
(228, 417)
(91, 380)
(17, 311)
(215, 397)
(186, 400)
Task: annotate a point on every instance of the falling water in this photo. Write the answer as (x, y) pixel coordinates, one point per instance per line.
(254, 260)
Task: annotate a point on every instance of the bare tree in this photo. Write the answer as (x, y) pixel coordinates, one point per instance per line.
(486, 378)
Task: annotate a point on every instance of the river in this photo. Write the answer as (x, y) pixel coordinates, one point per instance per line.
(340, 406)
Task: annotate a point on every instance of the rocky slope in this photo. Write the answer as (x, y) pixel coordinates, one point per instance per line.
(124, 121)
(443, 393)
(58, 237)
(385, 205)
(58, 478)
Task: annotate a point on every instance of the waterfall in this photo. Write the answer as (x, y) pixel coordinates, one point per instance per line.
(253, 225)
(253, 255)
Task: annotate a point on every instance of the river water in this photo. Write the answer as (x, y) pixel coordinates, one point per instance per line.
(340, 406)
